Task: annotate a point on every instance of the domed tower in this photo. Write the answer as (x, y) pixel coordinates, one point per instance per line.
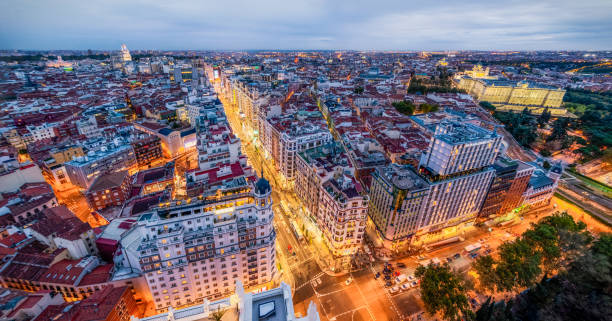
(262, 193)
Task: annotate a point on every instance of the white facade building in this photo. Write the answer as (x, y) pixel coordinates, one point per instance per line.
(198, 249)
(41, 132)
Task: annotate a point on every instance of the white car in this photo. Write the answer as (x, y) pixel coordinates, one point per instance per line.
(394, 290)
(411, 277)
(348, 281)
(406, 286)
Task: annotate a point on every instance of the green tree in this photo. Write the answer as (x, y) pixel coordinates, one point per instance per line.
(217, 315)
(404, 107)
(429, 108)
(443, 290)
(544, 118)
(487, 105)
(518, 267)
(485, 267)
(559, 129)
(358, 90)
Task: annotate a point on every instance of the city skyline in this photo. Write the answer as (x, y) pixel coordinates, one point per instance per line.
(311, 25)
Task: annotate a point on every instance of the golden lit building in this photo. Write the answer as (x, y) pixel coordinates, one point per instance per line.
(510, 96)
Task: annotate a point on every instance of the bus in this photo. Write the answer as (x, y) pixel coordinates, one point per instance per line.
(472, 248)
(286, 208)
(296, 231)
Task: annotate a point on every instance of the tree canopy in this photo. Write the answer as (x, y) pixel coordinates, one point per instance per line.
(443, 291)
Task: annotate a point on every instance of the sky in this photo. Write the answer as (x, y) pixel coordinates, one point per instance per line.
(307, 24)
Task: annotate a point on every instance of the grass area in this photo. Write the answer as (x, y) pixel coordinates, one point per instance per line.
(592, 182)
(597, 218)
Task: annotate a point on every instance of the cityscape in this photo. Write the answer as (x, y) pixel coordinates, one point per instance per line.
(324, 184)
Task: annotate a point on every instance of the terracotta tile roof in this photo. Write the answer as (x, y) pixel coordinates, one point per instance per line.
(96, 307)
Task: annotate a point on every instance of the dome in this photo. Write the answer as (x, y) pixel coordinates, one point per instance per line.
(262, 186)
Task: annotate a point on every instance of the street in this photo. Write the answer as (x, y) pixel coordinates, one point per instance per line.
(305, 264)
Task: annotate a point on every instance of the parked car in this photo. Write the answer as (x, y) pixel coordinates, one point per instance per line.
(377, 275)
(405, 286)
(411, 277)
(388, 284)
(456, 256)
(449, 259)
(394, 290)
(474, 255)
(414, 284)
(348, 281)
(387, 277)
(401, 265)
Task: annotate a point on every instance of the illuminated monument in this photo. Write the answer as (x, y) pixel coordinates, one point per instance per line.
(507, 95)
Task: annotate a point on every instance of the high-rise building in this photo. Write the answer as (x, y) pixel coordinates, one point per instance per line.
(397, 195)
(458, 148)
(196, 249)
(443, 195)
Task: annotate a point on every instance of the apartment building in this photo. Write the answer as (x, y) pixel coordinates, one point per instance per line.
(196, 249)
(289, 137)
(110, 189)
(343, 212)
(314, 167)
(147, 150)
(116, 156)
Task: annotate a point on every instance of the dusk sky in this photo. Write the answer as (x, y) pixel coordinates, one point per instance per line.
(311, 24)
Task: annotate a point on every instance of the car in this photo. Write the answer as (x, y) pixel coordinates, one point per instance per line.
(488, 251)
(401, 265)
(394, 290)
(474, 255)
(411, 277)
(456, 256)
(405, 286)
(377, 275)
(387, 277)
(449, 259)
(388, 284)
(414, 284)
(348, 281)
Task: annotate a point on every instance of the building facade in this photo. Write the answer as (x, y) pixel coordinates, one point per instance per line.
(199, 249)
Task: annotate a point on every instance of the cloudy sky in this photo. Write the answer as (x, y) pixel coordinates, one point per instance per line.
(306, 24)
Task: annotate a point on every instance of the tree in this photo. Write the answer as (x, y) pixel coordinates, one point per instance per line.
(519, 265)
(545, 153)
(487, 105)
(443, 290)
(217, 315)
(582, 292)
(429, 108)
(358, 90)
(485, 267)
(404, 107)
(546, 165)
(544, 118)
(559, 129)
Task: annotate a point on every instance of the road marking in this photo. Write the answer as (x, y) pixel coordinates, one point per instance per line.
(364, 300)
